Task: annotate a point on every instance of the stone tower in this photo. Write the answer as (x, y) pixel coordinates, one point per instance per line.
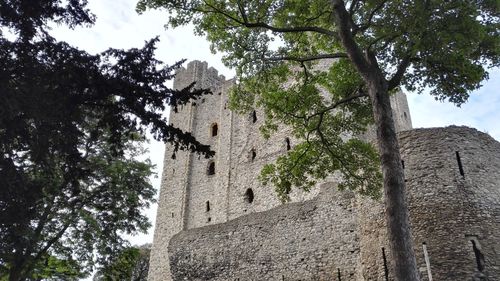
(216, 222)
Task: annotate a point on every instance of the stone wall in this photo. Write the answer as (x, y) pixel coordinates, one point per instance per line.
(191, 198)
(311, 240)
(453, 184)
(455, 216)
(176, 198)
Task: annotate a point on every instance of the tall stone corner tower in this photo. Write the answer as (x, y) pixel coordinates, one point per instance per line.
(186, 177)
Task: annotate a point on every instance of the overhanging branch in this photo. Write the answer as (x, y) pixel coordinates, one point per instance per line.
(246, 23)
(398, 76)
(308, 58)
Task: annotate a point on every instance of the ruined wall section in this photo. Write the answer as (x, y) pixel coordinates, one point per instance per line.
(453, 188)
(401, 111)
(312, 240)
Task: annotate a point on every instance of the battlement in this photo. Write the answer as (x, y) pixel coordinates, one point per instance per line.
(199, 72)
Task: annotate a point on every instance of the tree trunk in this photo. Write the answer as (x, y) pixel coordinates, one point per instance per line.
(396, 210)
(15, 273)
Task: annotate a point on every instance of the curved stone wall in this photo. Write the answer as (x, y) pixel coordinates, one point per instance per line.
(453, 183)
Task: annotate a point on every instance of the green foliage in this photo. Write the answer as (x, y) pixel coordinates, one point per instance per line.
(319, 116)
(293, 61)
(51, 268)
(57, 269)
(447, 43)
(131, 263)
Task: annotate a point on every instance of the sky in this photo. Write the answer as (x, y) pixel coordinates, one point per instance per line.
(119, 26)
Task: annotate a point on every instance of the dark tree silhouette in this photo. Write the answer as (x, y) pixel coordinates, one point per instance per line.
(70, 126)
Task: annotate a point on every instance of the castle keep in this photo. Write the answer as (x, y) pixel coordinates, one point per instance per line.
(216, 222)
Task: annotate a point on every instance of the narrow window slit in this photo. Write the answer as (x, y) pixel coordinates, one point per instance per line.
(288, 146)
(338, 274)
(386, 269)
(249, 196)
(208, 206)
(459, 161)
(479, 256)
(254, 116)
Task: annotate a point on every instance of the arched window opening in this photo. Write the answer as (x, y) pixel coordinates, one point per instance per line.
(253, 154)
(249, 196)
(287, 141)
(215, 130)
(254, 116)
(211, 168)
(208, 206)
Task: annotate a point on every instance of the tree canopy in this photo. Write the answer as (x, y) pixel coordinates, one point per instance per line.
(132, 263)
(284, 53)
(447, 47)
(71, 126)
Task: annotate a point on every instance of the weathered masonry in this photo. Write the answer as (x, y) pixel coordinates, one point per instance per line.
(216, 222)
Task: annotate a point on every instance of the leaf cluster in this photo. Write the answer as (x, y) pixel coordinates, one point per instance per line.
(131, 263)
(446, 46)
(326, 112)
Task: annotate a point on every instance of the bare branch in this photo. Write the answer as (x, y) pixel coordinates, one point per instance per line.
(398, 76)
(388, 41)
(360, 94)
(244, 21)
(308, 58)
(290, 29)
